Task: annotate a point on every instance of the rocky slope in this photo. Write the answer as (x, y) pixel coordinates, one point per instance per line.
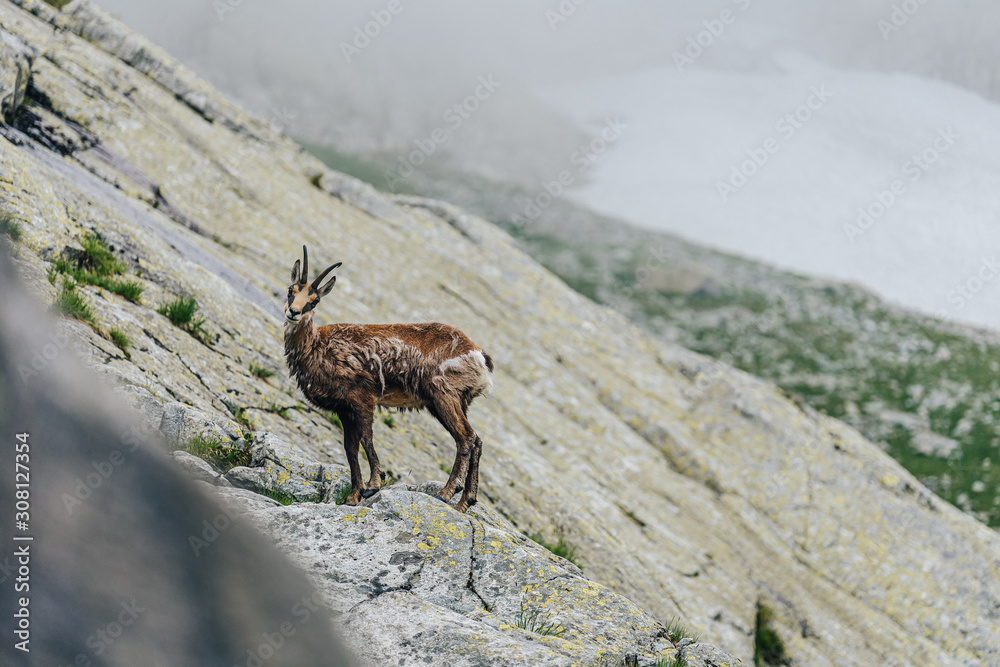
(692, 489)
(922, 387)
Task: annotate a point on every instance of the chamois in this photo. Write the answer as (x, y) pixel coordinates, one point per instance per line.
(349, 369)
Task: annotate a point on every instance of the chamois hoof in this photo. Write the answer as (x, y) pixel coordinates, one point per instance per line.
(368, 493)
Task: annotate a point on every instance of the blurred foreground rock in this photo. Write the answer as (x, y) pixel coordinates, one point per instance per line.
(110, 574)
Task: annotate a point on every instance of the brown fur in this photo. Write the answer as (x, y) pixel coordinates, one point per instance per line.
(350, 369)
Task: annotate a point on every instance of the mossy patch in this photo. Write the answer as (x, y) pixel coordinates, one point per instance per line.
(277, 409)
(260, 371)
(560, 547)
(768, 649)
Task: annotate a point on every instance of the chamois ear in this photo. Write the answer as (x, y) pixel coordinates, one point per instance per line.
(295, 271)
(325, 289)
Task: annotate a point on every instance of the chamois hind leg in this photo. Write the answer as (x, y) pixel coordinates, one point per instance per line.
(352, 437)
(366, 416)
(472, 480)
(449, 412)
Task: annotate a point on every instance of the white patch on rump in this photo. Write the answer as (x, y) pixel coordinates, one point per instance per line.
(474, 364)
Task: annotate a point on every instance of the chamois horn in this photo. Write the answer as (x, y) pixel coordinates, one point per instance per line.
(320, 277)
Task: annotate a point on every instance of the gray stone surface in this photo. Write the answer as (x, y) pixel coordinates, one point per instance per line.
(238, 501)
(358, 193)
(279, 466)
(149, 408)
(706, 655)
(411, 580)
(197, 469)
(182, 423)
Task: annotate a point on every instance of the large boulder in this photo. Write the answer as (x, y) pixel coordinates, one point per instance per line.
(412, 581)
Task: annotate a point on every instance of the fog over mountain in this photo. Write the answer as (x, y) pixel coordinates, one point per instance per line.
(701, 86)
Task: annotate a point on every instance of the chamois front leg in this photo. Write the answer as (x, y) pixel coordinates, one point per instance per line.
(352, 437)
(366, 416)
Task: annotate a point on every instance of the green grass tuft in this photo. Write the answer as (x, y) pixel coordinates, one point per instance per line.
(97, 258)
(71, 304)
(96, 265)
(121, 340)
(334, 419)
(619, 661)
(341, 497)
(219, 454)
(277, 409)
(561, 548)
(260, 371)
(389, 421)
(127, 289)
(181, 313)
(676, 631)
(58, 4)
(240, 417)
(679, 661)
(11, 228)
(282, 498)
(534, 621)
(768, 649)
